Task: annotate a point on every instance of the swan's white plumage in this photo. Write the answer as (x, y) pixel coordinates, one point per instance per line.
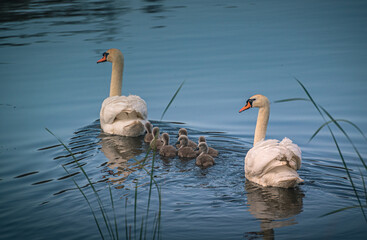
(124, 115)
(274, 163)
(270, 163)
(121, 115)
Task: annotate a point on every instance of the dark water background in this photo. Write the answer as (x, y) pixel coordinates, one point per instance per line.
(225, 52)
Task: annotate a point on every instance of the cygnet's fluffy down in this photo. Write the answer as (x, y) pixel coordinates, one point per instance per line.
(185, 151)
(204, 159)
(212, 152)
(148, 136)
(190, 143)
(167, 150)
(156, 142)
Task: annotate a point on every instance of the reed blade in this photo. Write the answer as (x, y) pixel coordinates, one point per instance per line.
(135, 206)
(89, 204)
(347, 136)
(173, 98)
(336, 144)
(126, 225)
(341, 209)
(103, 211)
(291, 100)
(114, 212)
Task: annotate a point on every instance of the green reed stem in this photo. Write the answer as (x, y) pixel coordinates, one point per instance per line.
(103, 212)
(126, 226)
(89, 204)
(114, 212)
(135, 206)
(173, 98)
(334, 139)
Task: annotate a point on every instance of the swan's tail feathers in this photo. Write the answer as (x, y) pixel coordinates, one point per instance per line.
(135, 127)
(289, 182)
(129, 115)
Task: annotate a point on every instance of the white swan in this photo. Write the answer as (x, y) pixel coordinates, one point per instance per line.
(121, 115)
(270, 162)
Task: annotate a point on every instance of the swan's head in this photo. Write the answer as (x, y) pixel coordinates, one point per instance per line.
(156, 132)
(257, 100)
(202, 139)
(183, 140)
(148, 127)
(111, 55)
(165, 137)
(203, 147)
(182, 131)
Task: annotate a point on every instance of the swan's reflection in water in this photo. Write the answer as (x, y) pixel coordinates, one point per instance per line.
(274, 207)
(119, 151)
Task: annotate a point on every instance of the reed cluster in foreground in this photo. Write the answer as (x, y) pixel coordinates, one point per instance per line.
(328, 120)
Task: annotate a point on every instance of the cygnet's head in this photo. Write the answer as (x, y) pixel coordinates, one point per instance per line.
(165, 137)
(183, 140)
(203, 147)
(148, 127)
(202, 139)
(155, 132)
(111, 55)
(257, 100)
(182, 131)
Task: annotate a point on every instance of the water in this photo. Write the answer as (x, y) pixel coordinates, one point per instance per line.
(225, 53)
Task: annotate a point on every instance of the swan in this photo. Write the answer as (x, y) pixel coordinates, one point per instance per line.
(167, 150)
(190, 143)
(156, 143)
(185, 151)
(149, 136)
(121, 115)
(270, 162)
(211, 151)
(204, 159)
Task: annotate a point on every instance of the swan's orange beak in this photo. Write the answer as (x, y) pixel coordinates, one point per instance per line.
(247, 106)
(103, 59)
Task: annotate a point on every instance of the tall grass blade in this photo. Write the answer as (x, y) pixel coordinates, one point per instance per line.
(173, 98)
(338, 120)
(103, 212)
(347, 136)
(150, 194)
(291, 100)
(159, 211)
(114, 212)
(135, 206)
(141, 228)
(126, 225)
(364, 185)
(342, 209)
(89, 204)
(336, 144)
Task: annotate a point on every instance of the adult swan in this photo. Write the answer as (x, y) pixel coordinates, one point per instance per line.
(270, 162)
(121, 115)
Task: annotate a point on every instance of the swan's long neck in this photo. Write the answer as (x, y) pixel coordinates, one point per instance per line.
(262, 123)
(116, 77)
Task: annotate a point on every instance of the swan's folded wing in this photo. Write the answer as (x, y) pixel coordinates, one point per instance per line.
(294, 154)
(264, 156)
(139, 105)
(123, 108)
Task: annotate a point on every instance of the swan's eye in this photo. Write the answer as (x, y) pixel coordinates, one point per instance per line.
(105, 54)
(250, 101)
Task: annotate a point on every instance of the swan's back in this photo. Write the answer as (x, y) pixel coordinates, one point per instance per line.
(274, 163)
(124, 115)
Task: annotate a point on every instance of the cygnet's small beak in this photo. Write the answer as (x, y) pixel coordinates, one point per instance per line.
(103, 59)
(247, 106)
(178, 142)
